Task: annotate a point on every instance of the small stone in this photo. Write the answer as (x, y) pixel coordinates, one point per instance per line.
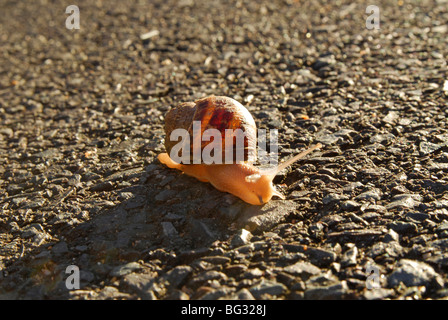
(177, 275)
(391, 249)
(403, 227)
(75, 180)
(403, 201)
(81, 248)
(349, 257)
(200, 231)
(60, 248)
(7, 132)
(243, 294)
(442, 227)
(382, 138)
(32, 230)
(414, 273)
(350, 205)
(267, 287)
(166, 195)
(391, 117)
(235, 269)
(217, 259)
(102, 186)
(217, 293)
(254, 273)
(428, 147)
(302, 269)
(86, 276)
(207, 276)
(324, 61)
(321, 257)
(112, 293)
(333, 197)
(334, 291)
(378, 293)
(262, 218)
(43, 254)
(149, 35)
(352, 186)
(391, 236)
(374, 194)
(35, 203)
(178, 295)
(445, 86)
(357, 219)
(122, 196)
(168, 229)
(126, 269)
(241, 238)
(418, 216)
(141, 284)
(49, 154)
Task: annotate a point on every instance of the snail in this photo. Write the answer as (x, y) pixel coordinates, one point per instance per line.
(226, 116)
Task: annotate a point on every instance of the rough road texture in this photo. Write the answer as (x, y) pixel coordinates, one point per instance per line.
(81, 114)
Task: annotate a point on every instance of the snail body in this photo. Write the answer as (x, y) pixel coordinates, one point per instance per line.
(241, 178)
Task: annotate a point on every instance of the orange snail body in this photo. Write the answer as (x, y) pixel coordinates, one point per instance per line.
(251, 184)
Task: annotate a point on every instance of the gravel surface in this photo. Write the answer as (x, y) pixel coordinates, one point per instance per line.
(82, 111)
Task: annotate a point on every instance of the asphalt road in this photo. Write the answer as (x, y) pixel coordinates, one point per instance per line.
(81, 125)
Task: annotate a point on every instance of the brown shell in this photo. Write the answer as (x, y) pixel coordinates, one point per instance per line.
(213, 112)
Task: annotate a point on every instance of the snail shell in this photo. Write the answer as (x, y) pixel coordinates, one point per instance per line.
(215, 112)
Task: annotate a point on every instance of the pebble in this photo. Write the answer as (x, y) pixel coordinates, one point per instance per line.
(125, 269)
(378, 293)
(216, 260)
(241, 238)
(32, 230)
(350, 205)
(403, 227)
(235, 270)
(267, 287)
(302, 269)
(75, 180)
(374, 194)
(442, 227)
(140, 284)
(402, 201)
(201, 231)
(168, 229)
(324, 61)
(207, 276)
(86, 276)
(333, 197)
(334, 291)
(353, 186)
(349, 257)
(262, 218)
(109, 292)
(320, 257)
(176, 276)
(60, 248)
(242, 294)
(149, 35)
(254, 273)
(165, 195)
(428, 147)
(217, 293)
(414, 273)
(102, 186)
(391, 236)
(391, 249)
